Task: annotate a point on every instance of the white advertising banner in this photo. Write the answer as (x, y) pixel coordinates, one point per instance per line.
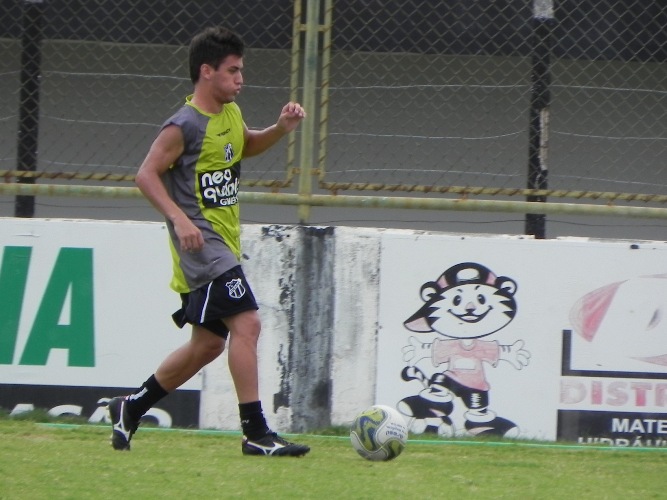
(509, 336)
(85, 303)
(476, 335)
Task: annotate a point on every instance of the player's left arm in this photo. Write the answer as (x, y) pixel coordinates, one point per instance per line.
(258, 141)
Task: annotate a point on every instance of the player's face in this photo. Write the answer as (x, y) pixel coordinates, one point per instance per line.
(227, 80)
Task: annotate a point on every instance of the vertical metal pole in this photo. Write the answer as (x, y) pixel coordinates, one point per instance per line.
(31, 57)
(310, 69)
(540, 101)
(325, 85)
(297, 26)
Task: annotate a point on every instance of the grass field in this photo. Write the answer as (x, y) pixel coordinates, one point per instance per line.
(55, 460)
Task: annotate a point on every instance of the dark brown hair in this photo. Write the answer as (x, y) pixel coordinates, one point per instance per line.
(211, 47)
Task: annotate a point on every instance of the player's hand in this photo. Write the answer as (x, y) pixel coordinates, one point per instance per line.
(290, 117)
(189, 235)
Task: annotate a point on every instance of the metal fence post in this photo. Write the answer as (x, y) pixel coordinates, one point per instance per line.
(310, 70)
(540, 101)
(31, 57)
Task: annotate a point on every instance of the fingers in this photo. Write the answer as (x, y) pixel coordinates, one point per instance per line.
(294, 109)
(192, 243)
(190, 237)
(290, 117)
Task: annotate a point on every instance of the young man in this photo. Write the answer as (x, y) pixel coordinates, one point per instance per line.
(191, 175)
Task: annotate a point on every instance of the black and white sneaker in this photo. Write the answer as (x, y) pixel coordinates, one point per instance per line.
(123, 427)
(273, 445)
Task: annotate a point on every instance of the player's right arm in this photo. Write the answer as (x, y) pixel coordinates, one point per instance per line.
(164, 152)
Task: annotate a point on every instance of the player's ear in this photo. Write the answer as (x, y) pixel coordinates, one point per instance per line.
(205, 71)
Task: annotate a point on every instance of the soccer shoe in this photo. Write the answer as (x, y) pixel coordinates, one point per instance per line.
(273, 445)
(123, 427)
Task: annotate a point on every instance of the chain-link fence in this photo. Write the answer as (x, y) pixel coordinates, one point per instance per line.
(441, 96)
(535, 99)
(99, 77)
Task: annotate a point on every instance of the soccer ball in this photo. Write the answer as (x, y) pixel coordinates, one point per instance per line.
(379, 433)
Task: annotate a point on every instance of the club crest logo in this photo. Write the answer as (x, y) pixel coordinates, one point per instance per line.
(229, 152)
(236, 288)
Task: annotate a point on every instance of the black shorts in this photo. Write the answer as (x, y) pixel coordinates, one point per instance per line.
(225, 296)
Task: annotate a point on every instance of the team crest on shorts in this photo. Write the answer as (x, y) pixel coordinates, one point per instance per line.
(236, 288)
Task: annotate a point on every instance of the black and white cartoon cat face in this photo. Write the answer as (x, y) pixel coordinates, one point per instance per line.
(467, 301)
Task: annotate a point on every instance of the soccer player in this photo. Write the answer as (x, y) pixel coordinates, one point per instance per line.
(191, 175)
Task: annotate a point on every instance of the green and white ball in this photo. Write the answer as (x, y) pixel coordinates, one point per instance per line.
(379, 433)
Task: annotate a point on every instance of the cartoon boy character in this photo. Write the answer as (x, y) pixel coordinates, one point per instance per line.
(467, 302)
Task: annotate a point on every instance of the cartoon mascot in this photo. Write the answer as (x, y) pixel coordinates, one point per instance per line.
(467, 302)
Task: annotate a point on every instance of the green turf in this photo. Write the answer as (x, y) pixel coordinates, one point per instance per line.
(76, 461)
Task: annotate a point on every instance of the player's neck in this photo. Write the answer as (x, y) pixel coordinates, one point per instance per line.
(207, 103)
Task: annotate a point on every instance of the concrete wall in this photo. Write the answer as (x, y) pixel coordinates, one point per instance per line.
(318, 294)
(569, 344)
